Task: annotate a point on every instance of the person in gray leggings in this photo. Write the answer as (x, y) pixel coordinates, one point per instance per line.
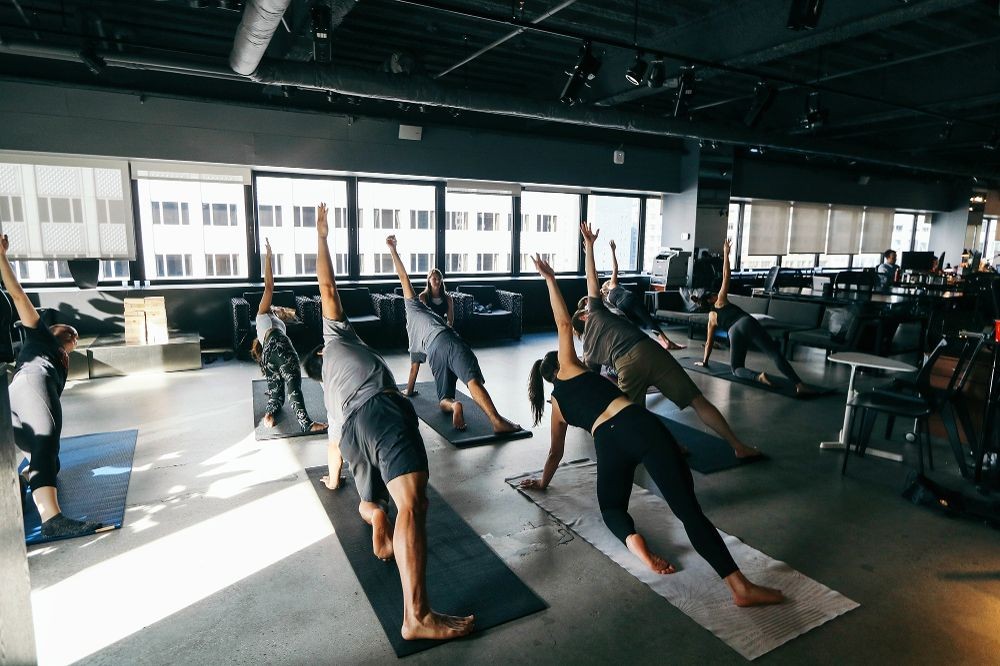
(744, 332)
(36, 413)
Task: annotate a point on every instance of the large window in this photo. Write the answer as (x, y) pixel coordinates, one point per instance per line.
(179, 243)
(294, 245)
(551, 227)
(653, 240)
(618, 220)
(382, 207)
(485, 245)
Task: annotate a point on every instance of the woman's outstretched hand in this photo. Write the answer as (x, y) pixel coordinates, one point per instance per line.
(322, 226)
(531, 484)
(727, 246)
(267, 247)
(613, 246)
(391, 241)
(589, 235)
(4, 244)
(543, 267)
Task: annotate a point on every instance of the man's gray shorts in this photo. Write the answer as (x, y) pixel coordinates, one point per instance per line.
(381, 441)
(451, 359)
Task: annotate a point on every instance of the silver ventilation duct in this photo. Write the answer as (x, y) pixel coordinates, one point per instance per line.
(260, 19)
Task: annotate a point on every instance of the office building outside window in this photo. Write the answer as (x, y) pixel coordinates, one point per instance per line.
(617, 218)
(489, 218)
(405, 210)
(551, 227)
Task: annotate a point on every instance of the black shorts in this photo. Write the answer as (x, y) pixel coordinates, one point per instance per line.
(381, 441)
(451, 359)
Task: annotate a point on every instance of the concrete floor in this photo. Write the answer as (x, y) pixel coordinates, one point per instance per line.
(227, 557)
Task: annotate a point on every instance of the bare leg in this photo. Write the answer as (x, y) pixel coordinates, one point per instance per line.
(712, 417)
(46, 501)
(485, 402)
(373, 514)
(409, 543)
(746, 593)
(454, 407)
(657, 564)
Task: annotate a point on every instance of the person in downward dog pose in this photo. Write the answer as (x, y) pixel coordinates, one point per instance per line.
(277, 358)
(450, 357)
(436, 297)
(638, 361)
(621, 298)
(745, 331)
(40, 372)
(625, 435)
(374, 428)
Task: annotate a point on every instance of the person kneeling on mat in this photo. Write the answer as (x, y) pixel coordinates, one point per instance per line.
(450, 357)
(36, 411)
(374, 428)
(625, 435)
(744, 330)
(276, 356)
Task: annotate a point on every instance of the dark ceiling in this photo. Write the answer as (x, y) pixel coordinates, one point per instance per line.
(912, 83)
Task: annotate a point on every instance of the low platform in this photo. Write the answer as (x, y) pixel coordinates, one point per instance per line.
(111, 356)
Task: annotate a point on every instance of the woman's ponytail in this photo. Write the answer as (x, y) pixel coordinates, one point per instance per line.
(536, 391)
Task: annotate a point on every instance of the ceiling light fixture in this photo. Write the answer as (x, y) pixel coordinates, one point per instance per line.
(637, 71)
(947, 130)
(685, 89)
(585, 71)
(657, 74)
(93, 61)
(815, 115)
(804, 14)
(994, 141)
(763, 95)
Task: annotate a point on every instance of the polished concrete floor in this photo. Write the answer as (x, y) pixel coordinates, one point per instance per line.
(227, 557)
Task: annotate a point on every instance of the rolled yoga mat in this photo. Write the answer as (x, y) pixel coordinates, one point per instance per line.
(782, 385)
(478, 429)
(695, 589)
(286, 424)
(464, 576)
(93, 481)
(707, 453)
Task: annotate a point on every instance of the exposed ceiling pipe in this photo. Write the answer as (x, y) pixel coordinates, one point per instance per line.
(357, 82)
(260, 20)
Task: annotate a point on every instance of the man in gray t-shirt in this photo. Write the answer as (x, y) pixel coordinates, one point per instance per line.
(450, 357)
(375, 429)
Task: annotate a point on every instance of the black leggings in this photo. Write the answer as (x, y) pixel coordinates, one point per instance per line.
(36, 415)
(280, 364)
(634, 436)
(638, 313)
(748, 331)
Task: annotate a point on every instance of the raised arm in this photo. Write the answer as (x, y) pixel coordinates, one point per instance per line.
(404, 279)
(25, 310)
(589, 237)
(564, 323)
(726, 273)
(614, 265)
(332, 309)
(265, 300)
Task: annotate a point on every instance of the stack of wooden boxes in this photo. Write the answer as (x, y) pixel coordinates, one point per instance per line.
(146, 320)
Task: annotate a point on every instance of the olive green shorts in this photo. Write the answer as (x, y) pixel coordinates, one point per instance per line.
(648, 364)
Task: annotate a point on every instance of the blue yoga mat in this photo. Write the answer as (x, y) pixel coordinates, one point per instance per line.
(93, 481)
(707, 453)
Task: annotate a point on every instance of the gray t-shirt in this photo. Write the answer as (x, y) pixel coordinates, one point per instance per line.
(606, 336)
(885, 276)
(422, 326)
(265, 322)
(617, 295)
(353, 373)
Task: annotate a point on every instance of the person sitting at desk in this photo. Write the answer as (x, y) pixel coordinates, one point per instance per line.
(887, 272)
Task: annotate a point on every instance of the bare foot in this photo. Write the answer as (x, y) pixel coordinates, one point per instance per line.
(381, 536)
(764, 379)
(437, 626)
(457, 416)
(331, 485)
(317, 427)
(268, 421)
(670, 345)
(657, 564)
(757, 595)
(744, 451)
(505, 426)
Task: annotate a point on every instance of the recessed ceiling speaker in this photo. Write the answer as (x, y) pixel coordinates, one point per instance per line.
(411, 132)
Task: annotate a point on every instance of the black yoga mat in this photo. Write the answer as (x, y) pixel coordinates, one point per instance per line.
(464, 576)
(707, 453)
(478, 429)
(285, 424)
(93, 481)
(782, 386)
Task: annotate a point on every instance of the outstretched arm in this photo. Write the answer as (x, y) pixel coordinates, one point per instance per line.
(564, 323)
(726, 273)
(557, 446)
(265, 300)
(332, 309)
(404, 279)
(713, 324)
(25, 310)
(589, 236)
(614, 265)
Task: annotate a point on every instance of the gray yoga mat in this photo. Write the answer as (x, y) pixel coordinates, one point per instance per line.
(464, 575)
(478, 429)
(285, 424)
(707, 453)
(782, 386)
(695, 589)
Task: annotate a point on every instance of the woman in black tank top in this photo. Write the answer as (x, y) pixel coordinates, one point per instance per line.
(625, 436)
(436, 297)
(744, 332)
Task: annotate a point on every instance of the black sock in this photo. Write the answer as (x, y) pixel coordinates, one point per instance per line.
(61, 526)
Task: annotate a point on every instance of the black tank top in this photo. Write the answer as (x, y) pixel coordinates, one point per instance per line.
(440, 309)
(729, 314)
(584, 397)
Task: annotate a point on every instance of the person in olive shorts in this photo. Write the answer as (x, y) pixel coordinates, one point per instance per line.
(640, 362)
(374, 428)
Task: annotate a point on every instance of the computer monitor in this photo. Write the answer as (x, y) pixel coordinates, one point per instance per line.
(771, 281)
(917, 261)
(974, 261)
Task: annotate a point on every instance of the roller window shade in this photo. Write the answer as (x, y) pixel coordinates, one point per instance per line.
(808, 231)
(768, 228)
(205, 173)
(58, 207)
(844, 232)
(877, 234)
